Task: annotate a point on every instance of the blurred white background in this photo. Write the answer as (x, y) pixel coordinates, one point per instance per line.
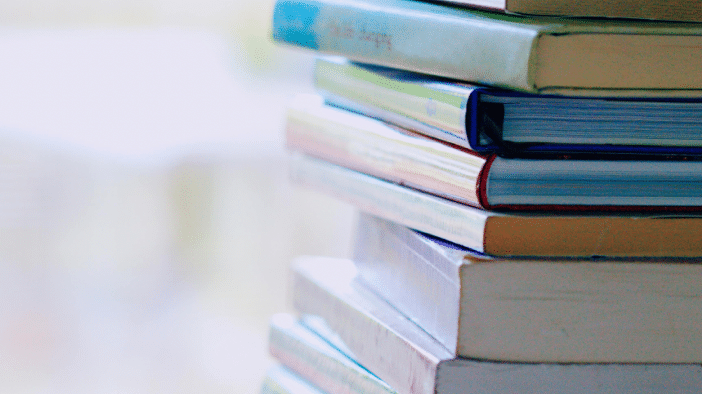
(146, 219)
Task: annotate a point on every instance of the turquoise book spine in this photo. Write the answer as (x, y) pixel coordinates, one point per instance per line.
(425, 38)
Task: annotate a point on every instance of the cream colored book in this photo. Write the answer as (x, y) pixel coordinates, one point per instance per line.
(506, 234)
(396, 350)
(602, 310)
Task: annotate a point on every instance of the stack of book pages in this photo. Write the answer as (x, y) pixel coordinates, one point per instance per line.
(529, 180)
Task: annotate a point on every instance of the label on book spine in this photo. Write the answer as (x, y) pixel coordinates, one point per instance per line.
(294, 22)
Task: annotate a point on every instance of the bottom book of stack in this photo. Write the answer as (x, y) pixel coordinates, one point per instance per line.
(502, 326)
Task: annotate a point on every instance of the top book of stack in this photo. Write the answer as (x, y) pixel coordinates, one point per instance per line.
(682, 11)
(547, 55)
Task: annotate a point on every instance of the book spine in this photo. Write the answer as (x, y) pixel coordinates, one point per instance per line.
(399, 266)
(426, 38)
(375, 333)
(375, 148)
(408, 102)
(442, 218)
(311, 357)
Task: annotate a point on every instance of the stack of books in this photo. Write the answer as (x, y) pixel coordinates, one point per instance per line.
(531, 197)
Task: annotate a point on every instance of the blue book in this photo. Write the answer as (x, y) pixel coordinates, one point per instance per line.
(492, 182)
(545, 55)
(511, 123)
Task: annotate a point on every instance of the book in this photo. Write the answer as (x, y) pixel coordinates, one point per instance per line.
(410, 361)
(316, 360)
(533, 54)
(506, 234)
(590, 310)
(512, 123)
(684, 11)
(280, 380)
(487, 180)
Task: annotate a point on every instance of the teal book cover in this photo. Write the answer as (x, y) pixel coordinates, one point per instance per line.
(533, 54)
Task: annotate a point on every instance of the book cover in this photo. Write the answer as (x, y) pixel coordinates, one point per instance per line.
(506, 234)
(280, 380)
(412, 362)
(541, 55)
(318, 362)
(683, 11)
(490, 181)
(511, 123)
(593, 310)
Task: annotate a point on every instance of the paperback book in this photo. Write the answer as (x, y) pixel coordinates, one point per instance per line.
(316, 360)
(410, 361)
(280, 380)
(588, 310)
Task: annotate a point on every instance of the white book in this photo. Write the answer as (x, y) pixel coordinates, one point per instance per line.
(543, 233)
(412, 362)
(588, 310)
(318, 362)
(280, 380)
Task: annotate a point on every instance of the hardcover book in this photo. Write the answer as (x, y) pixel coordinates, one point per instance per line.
(541, 55)
(506, 234)
(512, 123)
(410, 361)
(684, 11)
(489, 181)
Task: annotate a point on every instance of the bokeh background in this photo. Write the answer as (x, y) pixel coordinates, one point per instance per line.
(146, 217)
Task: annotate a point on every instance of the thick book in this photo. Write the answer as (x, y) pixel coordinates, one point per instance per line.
(542, 55)
(410, 361)
(487, 180)
(280, 380)
(317, 361)
(684, 11)
(506, 234)
(593, 310)
(512, 123)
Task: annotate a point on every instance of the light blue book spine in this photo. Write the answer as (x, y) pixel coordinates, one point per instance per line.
(280, 380)
(412, 35)
(318, 362)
